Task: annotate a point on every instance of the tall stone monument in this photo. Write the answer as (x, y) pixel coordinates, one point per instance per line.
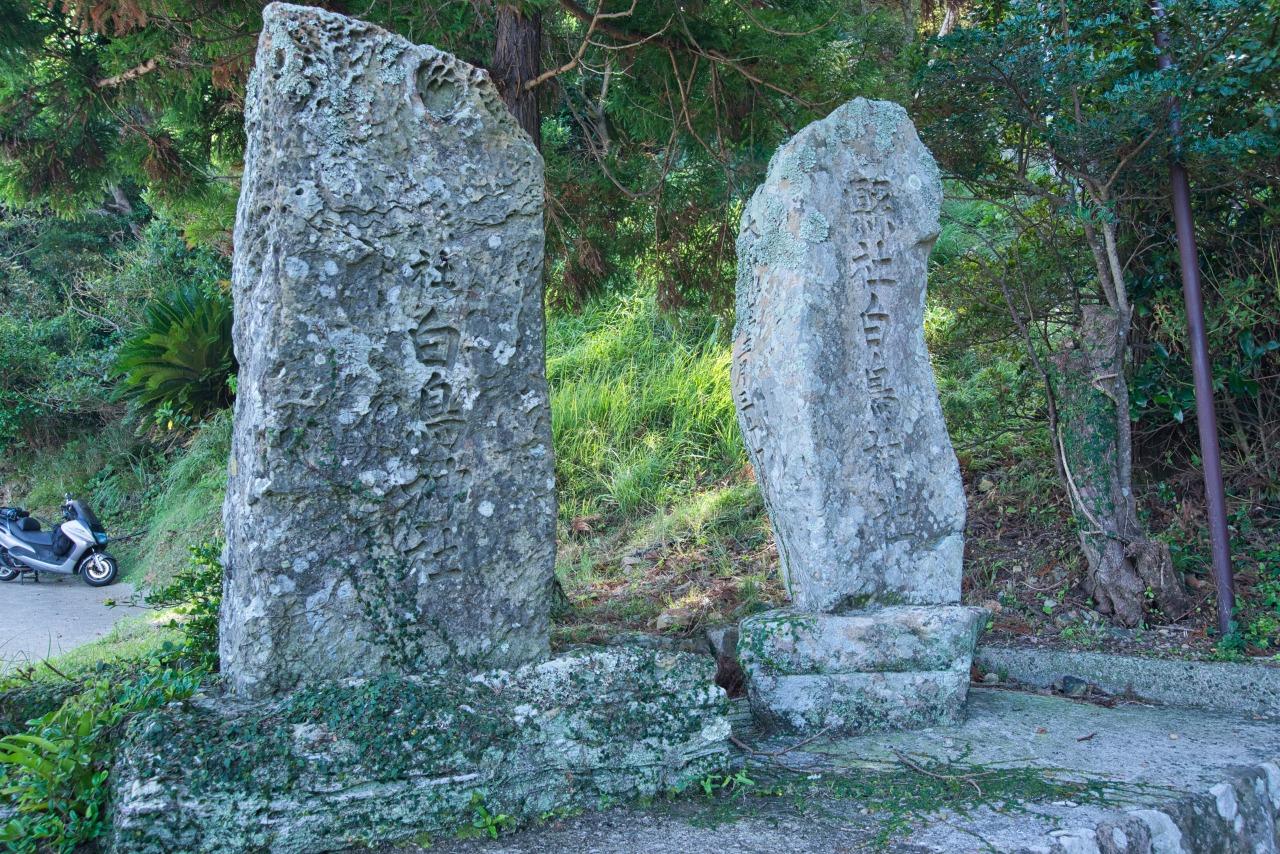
(390, 513)
(391, 498)
(839, 409)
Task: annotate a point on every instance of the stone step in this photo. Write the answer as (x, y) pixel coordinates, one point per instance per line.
(1252, 689)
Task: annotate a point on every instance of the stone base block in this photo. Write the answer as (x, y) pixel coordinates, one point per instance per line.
(851, 703)
(889, 668)
(392, 758)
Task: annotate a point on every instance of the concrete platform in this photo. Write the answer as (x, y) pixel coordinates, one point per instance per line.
(1178, 789)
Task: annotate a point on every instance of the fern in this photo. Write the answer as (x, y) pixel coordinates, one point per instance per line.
(179, 364)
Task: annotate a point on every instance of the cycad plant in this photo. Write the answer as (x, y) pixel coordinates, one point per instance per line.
(179, 367)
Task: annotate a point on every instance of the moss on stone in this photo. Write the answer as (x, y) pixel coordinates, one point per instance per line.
(391, 757)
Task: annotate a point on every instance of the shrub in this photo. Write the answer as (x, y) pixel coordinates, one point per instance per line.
(56, 773)
(52, 376)
(70, 292)
(178, 367)
(21, 703)
(194, 594)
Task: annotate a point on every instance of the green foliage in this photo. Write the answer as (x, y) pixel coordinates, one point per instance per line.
(69, 292)
(732, 785)
(652, 133)
(1162, 388)
(658, 508)
(1256, 628)
(186, 508)
(83, 112)
(1242, 307)
(641, 408)
(485, 823)
(193, 596)
(108, 468)
(52, 372)
(56, 772)
(1060, 118)
(24, 700)
(1054, 125)
(177, 367)
(1081, 84)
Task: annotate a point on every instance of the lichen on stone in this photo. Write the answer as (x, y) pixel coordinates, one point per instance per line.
(882, 668)
(387, 280)
(392, 757)
(814, 227)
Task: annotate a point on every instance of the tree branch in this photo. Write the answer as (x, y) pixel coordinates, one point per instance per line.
(140, 70)
(633, 38)
(600, 15)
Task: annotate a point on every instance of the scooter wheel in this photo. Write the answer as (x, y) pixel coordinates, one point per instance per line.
(99, 569)
(9, 573)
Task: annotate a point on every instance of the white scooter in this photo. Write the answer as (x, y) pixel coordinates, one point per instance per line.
(76, 547)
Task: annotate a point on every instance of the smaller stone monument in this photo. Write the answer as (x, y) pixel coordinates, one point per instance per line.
(839, 409)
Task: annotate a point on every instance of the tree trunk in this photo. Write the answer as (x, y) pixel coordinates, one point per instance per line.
(950, 17)
(1095, 457)
(122, 205)
(516, 60)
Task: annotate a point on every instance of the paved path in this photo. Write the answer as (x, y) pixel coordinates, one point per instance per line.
(38, 621)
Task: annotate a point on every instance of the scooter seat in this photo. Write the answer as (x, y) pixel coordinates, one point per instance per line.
(34, 538)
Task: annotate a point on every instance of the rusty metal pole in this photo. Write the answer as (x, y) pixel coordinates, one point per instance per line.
(1206, 416)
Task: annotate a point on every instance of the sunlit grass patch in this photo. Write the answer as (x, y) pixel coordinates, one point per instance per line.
(642, 414)
(708, 559)
(135, 638)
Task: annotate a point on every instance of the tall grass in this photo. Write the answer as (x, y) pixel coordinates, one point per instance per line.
(642, 413)
(188, 508)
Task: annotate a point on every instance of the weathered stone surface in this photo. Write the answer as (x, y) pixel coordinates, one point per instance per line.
(909, 637)
(857, 703)
(1251, 690)
(1240, 815)
(835, 393)
(390, 504)
(891, 668)
(345, 765)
